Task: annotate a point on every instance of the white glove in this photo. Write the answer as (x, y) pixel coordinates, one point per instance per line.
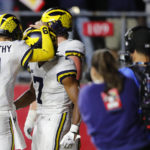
(29, 124)
(69, 139)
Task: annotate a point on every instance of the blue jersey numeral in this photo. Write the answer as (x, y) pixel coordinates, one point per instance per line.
(40, 81)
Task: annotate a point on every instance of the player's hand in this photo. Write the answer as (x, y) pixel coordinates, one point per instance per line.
(27, 131)
(29, 124)
(38, 24)
(69, 139)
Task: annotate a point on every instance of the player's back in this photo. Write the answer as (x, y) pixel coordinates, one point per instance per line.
(11, 53)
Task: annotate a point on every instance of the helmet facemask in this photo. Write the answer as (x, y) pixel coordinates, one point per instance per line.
(59, 20)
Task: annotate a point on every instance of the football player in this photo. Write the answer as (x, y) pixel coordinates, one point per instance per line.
(13, 53)
(55, 88)
(60, 21)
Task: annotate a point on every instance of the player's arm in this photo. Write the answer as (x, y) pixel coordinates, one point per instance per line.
(47, 52)
(78, 64)
(42, 54)
(75, 50)
(30, 120)
(72, 88)
(26, 98)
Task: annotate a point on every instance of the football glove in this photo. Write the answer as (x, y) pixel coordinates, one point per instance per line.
(69, 138)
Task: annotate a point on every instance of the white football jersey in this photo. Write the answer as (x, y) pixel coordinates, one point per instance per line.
(11, 54)
(50, 93)
(71, 48)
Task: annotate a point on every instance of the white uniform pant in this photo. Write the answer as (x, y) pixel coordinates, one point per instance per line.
(6, 133)
(49, 130)
(10, 133)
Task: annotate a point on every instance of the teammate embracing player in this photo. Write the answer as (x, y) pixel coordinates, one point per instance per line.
(56, 88)
(13, 53)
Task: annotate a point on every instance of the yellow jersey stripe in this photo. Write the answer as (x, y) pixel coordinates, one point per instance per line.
(73, 53)
(65, 74)
(11, 128)
(27, 56)
(62, 122)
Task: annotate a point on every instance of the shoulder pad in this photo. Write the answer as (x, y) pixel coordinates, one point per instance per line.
(76, 45)
(75, 48)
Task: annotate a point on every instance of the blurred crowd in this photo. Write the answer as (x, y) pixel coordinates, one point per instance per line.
(91, 43)
(121, 97)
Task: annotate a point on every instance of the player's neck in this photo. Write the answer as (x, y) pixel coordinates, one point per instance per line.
(60, 39)
(96, 77)
(138, 57)
(5, 38)
(41, 63)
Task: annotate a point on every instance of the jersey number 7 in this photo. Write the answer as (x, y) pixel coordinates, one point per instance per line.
(40, 81)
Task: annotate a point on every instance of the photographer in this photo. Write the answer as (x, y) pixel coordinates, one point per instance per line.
(137, 43)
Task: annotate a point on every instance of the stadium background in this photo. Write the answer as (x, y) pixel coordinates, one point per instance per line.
(96, 11)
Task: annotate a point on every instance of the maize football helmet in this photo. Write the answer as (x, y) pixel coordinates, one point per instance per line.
(59, 20)
(33, 37)
(10, 26)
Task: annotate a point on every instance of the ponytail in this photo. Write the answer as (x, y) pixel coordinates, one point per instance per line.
(106, 65)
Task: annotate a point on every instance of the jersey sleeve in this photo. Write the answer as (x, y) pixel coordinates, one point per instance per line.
(21, 49)
(129, 73)
(75, 48)
(66, 69)
(45, 53)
